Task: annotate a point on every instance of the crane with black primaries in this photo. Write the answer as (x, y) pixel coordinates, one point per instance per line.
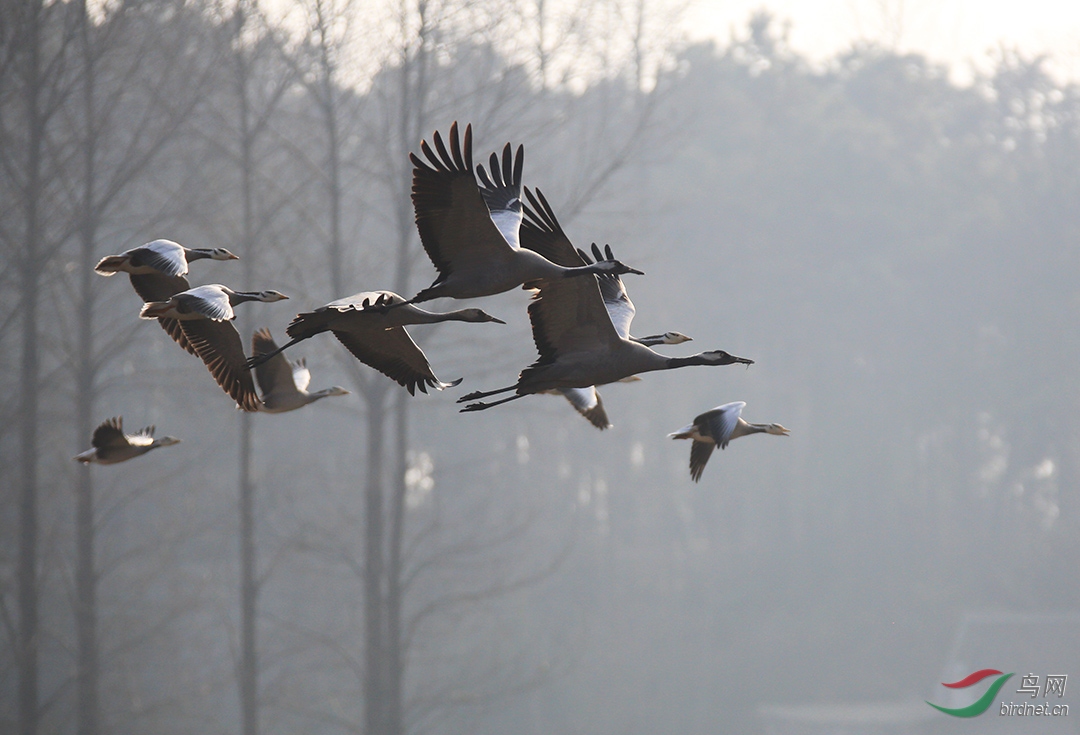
(472, 237)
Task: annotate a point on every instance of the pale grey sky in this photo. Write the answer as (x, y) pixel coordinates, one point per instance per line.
(959, 32)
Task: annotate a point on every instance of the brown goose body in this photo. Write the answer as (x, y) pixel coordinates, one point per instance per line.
(110, 445)
(157, 271)
(205, 315)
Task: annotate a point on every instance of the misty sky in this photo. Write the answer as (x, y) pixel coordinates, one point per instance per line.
(954, 31)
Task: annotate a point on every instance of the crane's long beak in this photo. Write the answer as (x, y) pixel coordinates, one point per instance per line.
(635, 271)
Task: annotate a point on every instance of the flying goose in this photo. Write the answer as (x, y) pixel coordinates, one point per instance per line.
(110, 445)
(371, 325)
(580, 347)
(718, 426)
(542, 233)
(205, 314)
(471, 236)
(157, 271)
(284, 384)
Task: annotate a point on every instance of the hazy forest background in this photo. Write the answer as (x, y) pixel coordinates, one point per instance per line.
(899, 255)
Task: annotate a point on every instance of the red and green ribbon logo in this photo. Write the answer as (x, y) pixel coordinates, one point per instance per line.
(984, 702)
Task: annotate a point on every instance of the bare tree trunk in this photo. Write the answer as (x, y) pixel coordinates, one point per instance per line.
(86, 380)
(249, 592)
(28, 384)
(374, 631)
(249, 666)
(395, 664)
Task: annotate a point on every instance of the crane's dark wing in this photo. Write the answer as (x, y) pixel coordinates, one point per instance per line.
(699, 456)
(542, 233)
(109, 433)
(393, 353)
(568, 315)
(455, 225)
(276, 374)
(160, 287)
(588, 403)
(218, 345)
(502, 193)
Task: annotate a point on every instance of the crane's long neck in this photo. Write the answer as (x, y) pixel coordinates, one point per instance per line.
(713, 357)
(651, 341)
(198, 254)
(581, 270)
(699, 359)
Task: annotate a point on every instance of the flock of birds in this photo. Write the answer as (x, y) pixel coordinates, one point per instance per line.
(483, 239)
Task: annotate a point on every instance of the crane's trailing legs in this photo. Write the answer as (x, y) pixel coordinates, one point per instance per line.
(481, 405)
(478, 394)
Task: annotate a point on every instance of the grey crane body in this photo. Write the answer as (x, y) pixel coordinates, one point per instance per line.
(542, 233)
(717, 427)
(574, 329)
(371, 325)
(613, 362)
(579, 347)
(471, 235)
(205, 315)
(110, 445)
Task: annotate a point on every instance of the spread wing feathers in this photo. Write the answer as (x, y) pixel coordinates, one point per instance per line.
(588, 403)
(218, 346)
(620, 308)
(568, 315)
(110, 433)
(699, 457)
(275, 375)
(502, 192)
(207, 301)
(162, 255)
(159, 287)
(720, 422)
(453, 220)
(542, 233)
(393, 353)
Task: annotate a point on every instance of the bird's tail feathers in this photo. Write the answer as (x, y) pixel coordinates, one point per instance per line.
(154, 309)
(110, 265)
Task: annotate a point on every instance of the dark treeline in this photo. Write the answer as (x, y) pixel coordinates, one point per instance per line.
(897, 253)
